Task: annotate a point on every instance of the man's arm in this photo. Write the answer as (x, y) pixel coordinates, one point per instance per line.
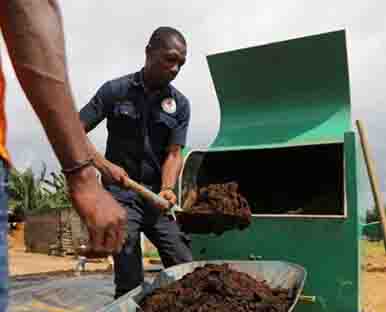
(91, 115)
(171, 167)
(173, 163)
(34, 36)
(111, 172)
(170, 172)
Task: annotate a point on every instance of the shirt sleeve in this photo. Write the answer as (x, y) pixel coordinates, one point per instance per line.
(96, 110)
(179, 133)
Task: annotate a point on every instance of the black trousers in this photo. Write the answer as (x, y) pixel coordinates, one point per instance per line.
(173, 245)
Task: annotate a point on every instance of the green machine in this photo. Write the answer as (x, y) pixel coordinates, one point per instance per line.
(286, 138)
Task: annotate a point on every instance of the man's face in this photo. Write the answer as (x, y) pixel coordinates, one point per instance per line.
(164, 63)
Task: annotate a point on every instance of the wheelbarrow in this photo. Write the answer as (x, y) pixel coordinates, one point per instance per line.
(276, 274)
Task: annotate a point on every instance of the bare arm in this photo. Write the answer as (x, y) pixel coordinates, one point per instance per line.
(33, 33)
(34, 36)
(170, 172)
(111, 173)
(173, 163)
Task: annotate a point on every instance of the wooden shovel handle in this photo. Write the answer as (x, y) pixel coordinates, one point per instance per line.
(373, 177)
(146, 193)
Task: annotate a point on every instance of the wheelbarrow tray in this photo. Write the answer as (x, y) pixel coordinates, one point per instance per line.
(275, 273)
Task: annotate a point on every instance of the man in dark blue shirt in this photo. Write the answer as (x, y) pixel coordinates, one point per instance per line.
(147, 122)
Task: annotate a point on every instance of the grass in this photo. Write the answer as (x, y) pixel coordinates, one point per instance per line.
(372, 248)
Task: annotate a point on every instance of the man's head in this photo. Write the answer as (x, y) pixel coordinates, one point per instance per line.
(165, 55)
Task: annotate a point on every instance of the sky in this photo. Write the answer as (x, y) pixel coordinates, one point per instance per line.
(106, 39)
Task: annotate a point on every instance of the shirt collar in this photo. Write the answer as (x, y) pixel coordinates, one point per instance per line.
(137, 80)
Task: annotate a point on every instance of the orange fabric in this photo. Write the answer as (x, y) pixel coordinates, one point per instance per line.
(3, 123)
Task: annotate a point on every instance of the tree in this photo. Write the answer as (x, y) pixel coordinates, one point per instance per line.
(35, 195)
(373, 215)
(57, 192)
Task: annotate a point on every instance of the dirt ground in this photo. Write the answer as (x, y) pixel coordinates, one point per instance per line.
(26, 263)
(374, 277)
(373, 268)
(22, 263)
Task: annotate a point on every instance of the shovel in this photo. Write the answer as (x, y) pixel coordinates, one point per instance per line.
(152, 197)
(146, 194)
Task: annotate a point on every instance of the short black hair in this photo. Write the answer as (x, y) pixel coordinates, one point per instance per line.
(161, 34)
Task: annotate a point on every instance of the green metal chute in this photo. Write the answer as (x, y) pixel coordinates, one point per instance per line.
(291, 92)
(278, 102)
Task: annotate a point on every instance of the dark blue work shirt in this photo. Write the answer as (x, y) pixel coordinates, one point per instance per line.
(140, 125)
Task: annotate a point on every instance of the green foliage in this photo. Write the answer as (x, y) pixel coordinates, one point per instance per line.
(56, 190)
(31, 194)
(373, 215)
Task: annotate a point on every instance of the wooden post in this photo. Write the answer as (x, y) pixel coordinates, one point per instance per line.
(373, 177)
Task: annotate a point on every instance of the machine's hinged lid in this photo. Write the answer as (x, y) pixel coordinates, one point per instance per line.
(291, 92)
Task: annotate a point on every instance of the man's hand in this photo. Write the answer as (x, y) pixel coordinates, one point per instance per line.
(105, 219)
(170, 171)
(169, 196)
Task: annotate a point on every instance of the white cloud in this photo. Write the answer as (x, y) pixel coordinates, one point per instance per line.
(106, 39)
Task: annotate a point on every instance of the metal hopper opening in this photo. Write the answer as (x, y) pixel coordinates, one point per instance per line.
(296, 181)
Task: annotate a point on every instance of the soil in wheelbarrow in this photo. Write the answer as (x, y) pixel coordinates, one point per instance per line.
(215, 208)
(217, 288)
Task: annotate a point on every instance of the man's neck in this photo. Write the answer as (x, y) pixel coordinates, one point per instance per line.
(147, 81)
(150, 85)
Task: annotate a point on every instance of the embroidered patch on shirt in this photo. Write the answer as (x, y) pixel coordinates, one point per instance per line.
(169, 105)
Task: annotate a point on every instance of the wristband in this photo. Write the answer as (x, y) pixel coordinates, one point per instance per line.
(78, 166)
(167, 189)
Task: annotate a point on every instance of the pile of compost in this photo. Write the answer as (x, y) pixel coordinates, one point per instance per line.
(218, 288)
(215, 208)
